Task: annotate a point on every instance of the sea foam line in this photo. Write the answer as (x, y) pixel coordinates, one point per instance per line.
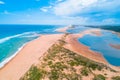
(10, 37)
(2, 64)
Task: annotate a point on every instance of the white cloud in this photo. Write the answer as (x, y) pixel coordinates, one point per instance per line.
(45, 9)
(81, 19)
(109, 20)
(75, 7)
(59, 0)
(71, 7)
(6, 12)
(28, 15)
(1, 2)
(70, 20)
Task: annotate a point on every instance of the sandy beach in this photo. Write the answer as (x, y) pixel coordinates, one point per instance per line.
(64, 29)
(27, 56)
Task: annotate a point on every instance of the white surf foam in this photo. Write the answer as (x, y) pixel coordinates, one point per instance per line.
(30, 35)
(2, 64)
(14, 36)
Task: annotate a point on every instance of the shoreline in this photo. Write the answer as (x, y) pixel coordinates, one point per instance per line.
(8, 59)
(73, 40)
(75, 45)
(27, 56)
(63, 29)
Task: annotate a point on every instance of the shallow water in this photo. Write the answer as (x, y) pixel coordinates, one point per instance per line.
(101, 45)
(78, 29)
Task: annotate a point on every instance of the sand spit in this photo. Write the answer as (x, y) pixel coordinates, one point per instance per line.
(115, 46)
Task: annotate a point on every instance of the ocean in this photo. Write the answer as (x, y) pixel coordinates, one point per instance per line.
(14, 37)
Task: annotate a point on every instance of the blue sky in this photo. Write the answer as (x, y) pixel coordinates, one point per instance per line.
(60, 12)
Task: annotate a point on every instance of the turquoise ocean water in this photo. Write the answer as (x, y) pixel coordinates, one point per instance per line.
(14, 37)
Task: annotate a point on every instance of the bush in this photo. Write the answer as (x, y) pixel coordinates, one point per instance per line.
(34, 74)
(50, 63)
(54, 75)
(62, 42)
(99, 77)
(116, 78)
(85, 72)
(73, 63)
(58, 66)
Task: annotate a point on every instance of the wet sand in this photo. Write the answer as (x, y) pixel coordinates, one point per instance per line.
(115, 46)
(74, 45)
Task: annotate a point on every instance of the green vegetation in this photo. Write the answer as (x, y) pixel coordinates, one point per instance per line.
(60, 63)
(58, 66)
(116, 78)
(73, 76)
(84, 71)
(54, 75)
(99, 77)
(33, 74)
